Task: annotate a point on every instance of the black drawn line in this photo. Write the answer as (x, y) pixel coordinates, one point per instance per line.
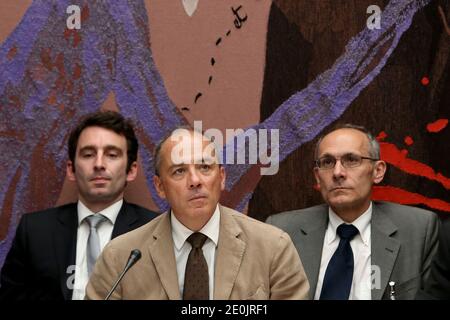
(228, 33)
(197, 97)
(218, 41)
(210, 79)
(213, 61)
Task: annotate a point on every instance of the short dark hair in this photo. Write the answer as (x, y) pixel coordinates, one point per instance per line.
(110, 120)
(374, 146)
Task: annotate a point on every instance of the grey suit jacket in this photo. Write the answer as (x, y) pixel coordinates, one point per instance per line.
(403, 241)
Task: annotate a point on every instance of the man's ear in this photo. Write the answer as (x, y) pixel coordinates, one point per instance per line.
(70, 171)
(223, 177)
(159, 186)
(132, 173)
(378, 171)
(316, 175)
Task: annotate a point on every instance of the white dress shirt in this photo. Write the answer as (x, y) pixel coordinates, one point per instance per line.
(361, 247)
(104, 233)
(182, 248)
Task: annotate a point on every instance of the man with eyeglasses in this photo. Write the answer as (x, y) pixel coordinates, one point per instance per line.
(353, 248)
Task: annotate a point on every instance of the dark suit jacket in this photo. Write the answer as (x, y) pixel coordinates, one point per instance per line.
(403, 242)
(36, 267)
(438, 284)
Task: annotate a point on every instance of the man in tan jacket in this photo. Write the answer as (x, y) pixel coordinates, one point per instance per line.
(199, 249)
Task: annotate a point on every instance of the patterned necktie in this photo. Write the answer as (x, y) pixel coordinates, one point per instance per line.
(196, 279)
(339, 274)
(93, 244)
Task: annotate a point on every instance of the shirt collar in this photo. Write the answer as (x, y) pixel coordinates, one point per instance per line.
(180, 232)
(110, 212)
(362, 223)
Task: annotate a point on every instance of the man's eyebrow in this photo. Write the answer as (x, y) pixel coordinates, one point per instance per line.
(93, 148)
(87, 148)
(208, 161)
(112, 147)
(176, 166)
(326, 155)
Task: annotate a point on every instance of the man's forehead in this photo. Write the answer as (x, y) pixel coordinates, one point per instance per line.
(98, 137)
(188, 147)
(344, 140)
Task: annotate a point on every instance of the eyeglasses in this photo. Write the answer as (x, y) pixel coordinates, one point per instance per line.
(348, 160)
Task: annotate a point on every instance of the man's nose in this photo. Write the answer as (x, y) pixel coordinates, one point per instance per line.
(99, 162)
(339, 172)
(194, 180)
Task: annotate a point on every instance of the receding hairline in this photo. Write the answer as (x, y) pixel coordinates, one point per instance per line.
(192, 131)
(366, 134)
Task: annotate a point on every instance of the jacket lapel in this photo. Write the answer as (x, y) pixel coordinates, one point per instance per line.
(65, 240)
(125, 219)
(310, 238)
(384, 250)
(161, 251)
(230, 251)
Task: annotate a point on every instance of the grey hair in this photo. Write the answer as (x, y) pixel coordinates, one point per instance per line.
(374, 146)
(157, 152)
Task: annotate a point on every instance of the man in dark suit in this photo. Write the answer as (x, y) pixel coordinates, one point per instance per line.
(438, 284)
(54, 250)
(353, 248)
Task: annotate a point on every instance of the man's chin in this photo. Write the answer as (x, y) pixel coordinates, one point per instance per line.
(340, 201)
(101, 196)
(200, 210)
(198, 203)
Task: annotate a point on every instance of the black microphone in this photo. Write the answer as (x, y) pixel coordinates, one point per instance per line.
(135, 255)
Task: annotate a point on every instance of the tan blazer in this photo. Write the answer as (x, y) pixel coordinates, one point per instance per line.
(253, 261)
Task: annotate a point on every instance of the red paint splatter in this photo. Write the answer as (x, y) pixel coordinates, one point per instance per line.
(381, 136)
(46, 59)
(77, 71)
(398, 195)
(15, 101)
(84, 13)
(391, 154)
(12, 53)
(67, 33)
(59, 64)
(76, 39)
(60, 83)
(425, 81)
(437, 126)
(69, 86)
(408, 140)
(52, 98)
(76, 36)
(109, 65)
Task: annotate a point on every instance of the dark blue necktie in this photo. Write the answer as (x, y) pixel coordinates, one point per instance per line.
(339, 274)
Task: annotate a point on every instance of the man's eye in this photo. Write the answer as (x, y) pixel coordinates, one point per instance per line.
(178, 171)
(351, 158)
(205, 167)
(113, 154)
(87, 155)
(327, 161)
